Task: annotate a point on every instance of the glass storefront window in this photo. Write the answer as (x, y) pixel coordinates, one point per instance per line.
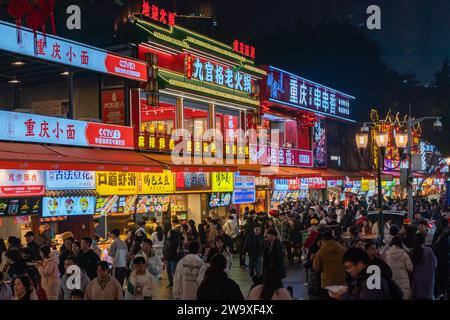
(159, 120)
(195, 118)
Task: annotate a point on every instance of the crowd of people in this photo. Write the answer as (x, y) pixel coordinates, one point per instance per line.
(336, 244)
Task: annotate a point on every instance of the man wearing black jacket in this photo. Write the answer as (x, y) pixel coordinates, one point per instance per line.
(371, 250)
(88, 259)
(273, 253)
(254, 246)
(32, 246)
(171, 250)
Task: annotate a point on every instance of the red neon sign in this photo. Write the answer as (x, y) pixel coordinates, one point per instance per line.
(161, 15)
(244, 49)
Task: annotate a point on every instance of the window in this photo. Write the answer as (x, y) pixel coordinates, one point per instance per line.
(195, 118)
(159, 120)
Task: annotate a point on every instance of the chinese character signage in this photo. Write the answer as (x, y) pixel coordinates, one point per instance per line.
(116, 183)
(244, 49)
(156, 183)
(21, 182)
(221, 75)
(113, 106)
(244, 196)
(155, 13)
(243, 182)
(192, 181)
(286, 88)
(262, 182)
(282, 156)
(314, 183)
(67, 206)
(219, 199)
(281, 184)
(69, 179)
(319, 144)
(222, 181)
(26, 127)
(67, 52)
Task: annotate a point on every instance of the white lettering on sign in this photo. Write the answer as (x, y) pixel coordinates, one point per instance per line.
(303, 158)
(127, 64)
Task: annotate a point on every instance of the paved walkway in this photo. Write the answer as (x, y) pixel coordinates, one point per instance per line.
(296, 278)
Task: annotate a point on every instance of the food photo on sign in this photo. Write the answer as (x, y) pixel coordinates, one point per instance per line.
(68, 206)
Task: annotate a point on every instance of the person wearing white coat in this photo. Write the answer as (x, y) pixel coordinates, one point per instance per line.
(185, 282)
(400, 263)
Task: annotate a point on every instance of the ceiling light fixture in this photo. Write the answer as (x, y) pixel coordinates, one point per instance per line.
(18, 63)
(14, 81)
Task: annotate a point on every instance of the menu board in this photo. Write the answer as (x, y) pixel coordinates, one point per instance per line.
(20, 206)
(218, 199)
(148, 203)
(116, 205)
(68, 206)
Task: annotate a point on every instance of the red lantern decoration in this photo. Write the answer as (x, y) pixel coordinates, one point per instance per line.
(18, 9)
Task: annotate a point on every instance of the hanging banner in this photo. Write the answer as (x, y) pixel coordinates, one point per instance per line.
(69, 180)
(22, 183)
(113, 106)
(222, 181)
(25, 127)
(156, 183)
(68, 206)
(319, 144)
(116, 183)
(64, 51)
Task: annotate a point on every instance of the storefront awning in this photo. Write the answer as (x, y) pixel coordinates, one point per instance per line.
(296, 172)
(192, 164)
(39, 157)
(330, 174)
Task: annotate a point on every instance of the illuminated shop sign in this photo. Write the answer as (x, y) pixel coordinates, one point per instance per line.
(20, 206)
(116, 183)
(69, 179)
(221, 75)
(219, 199)
(116, 205)
(22, 183)
(244, 196)
(244, 49)
(192, 181)
(222, 181)
(41, 129)
(286, 88)
(59, 50)
(67, 206)
(158, 14)
(244, 182)
(320, 144)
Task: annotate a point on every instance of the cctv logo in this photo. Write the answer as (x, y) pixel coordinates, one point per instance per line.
(374, 281)
(74, 278)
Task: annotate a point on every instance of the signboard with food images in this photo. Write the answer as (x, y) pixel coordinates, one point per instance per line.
(116, 205)
(152, 203)
(218, 199)
(116, 183)
(68, 206)
(20, 206)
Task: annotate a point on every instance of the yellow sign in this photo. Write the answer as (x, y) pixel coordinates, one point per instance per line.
(156, 183)
(222, 181)
(116, 183)
(364, 185)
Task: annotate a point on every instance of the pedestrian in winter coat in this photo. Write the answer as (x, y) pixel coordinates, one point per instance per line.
(141, 285)
(49, 273)
(103, 287)
(23, 289)
(16, 265)
(271, 288)
(273, 253)
(400, 263)
(356, 262)
(32, 246)
(158, 239)
(220, 248)
(118, 252)
(185, 282)
(371, 249)
(425, 265)
(64, 292)
(441, 250)
(154, 264)
(254, 247)
(171, 250)
(65, 251)
(216, 284)
(88, 259)
(328, 261)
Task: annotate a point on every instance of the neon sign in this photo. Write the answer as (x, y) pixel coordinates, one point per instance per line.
(244, 49)
(161, 15)
(207, 71)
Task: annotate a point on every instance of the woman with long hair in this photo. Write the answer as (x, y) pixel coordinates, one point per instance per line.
(192, 233)
(271, 288)
(35, 278)
(425, 265)
(270, 225)
(158, 239)
(23, 289)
